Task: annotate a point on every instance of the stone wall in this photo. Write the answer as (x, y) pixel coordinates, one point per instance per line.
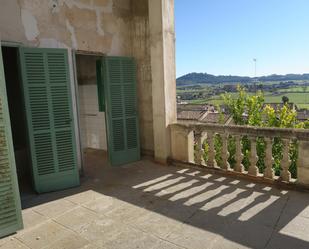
(141, 52)
(112, 27)
(98, 26)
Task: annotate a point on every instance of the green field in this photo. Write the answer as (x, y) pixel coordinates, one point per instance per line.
(295, 94)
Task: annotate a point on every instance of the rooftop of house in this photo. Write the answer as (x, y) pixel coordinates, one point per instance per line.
(215, 118)
(190, 114)
(193, 107)
(302, 115)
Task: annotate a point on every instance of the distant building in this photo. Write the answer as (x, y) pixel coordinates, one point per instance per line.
(201, 113)
(196, 107)
(209, 114)
(303, 115)
(216, 118)
(190, 115)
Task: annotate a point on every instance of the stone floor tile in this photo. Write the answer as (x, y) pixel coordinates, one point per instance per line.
(32, 218)
(286, 242)
(209, 221)
(166, 245)
(247, 234)
(55, 208)
(102, 230)
(211, 191)
(70, 241)
(103, 204)
(43, 235)
(165, 184)
(156, 224)
(91, 246)
(84, 197)
(188, 236)
(298, 204)
(130, 238)
(222, 243)
(77, 218)
(5, 240)
(13, 244)
(187, 194)
(126, 212)
(260, 210)
(294, 226)
(177, 188)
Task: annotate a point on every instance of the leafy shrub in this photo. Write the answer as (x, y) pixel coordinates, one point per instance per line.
(252, 111)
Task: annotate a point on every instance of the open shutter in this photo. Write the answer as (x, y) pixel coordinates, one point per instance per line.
(121, 105)
(47, 96)
(10, 210)
(100, 86)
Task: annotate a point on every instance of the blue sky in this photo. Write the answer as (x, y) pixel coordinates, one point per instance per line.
(223, 36)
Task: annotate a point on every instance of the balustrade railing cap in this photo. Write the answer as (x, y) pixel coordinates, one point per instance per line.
(271, 132)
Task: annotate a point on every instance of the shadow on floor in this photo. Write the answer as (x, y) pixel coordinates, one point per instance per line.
(253, 215)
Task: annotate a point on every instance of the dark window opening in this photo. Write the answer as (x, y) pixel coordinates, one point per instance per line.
(18, 120)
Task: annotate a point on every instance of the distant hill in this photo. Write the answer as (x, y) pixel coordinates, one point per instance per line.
(204, 78)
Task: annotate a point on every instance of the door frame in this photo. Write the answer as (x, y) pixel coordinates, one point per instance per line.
(77, 104)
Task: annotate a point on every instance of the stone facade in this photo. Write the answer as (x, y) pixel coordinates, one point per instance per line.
(111, 27)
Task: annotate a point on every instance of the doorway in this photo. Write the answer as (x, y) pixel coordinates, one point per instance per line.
(91, 118)
(18, 121)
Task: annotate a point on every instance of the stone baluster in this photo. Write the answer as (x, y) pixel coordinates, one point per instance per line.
(225, 153)
(211, 150)
(303, 163)
(269, 160)
(253, 169)
(285, 162)
(199, 156)
(239, 167)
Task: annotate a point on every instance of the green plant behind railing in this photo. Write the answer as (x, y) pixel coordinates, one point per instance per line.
(252, 111)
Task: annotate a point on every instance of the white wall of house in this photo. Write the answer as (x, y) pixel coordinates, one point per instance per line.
(92, 122)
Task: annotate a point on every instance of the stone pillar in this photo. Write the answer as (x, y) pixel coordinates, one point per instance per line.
(162, 47)
(182, 143)
(303, 163)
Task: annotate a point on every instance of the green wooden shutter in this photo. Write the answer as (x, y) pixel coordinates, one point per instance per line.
(47, 96)
(121, 107)
(100, 85)
(10, 210)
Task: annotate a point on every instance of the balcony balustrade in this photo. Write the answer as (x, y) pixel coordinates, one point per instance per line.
(244, 150)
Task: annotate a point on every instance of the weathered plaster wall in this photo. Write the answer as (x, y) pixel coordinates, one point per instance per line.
(162, 46)
(11, 27)
(112, 27)
(141, 52)
(93, 25)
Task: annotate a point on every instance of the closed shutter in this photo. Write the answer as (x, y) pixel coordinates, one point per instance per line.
(10, 210)
(121, 107)
(47, 96)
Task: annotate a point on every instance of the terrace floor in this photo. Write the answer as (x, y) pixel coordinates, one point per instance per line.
(144, 205)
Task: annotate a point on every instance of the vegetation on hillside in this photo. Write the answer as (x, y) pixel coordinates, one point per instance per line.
(204, 78)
